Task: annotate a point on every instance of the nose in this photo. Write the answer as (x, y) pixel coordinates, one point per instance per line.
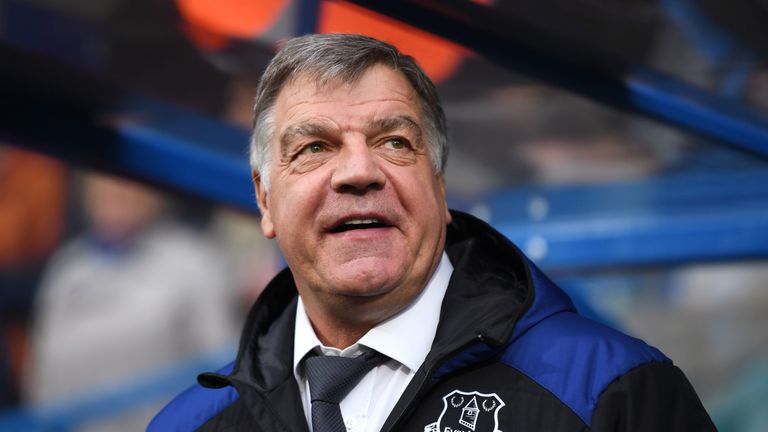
(357, 168)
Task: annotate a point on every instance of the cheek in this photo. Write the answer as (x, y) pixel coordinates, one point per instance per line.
(294, 206)
(399, 158)
(308, 163)
(421, 191)
(430, 203)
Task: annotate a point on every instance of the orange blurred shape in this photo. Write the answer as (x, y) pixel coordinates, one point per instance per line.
(32, 204)
(438, 57)
(210, 22)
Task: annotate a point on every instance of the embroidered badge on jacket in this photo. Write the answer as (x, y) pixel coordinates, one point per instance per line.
(468, 412)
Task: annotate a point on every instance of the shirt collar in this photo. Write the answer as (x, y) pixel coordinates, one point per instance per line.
(418, 321)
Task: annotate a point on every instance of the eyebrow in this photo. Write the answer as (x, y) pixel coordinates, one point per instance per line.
(389, 124)
(301, 130)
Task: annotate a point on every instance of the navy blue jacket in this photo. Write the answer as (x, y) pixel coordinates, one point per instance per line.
(510, 354)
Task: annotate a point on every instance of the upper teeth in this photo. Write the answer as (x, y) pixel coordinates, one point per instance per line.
(360, 221)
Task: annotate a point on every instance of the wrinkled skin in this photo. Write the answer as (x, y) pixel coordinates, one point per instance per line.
(346, 152)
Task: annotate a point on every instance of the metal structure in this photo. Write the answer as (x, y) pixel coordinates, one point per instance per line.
(69, 113)
(521, 42)
(73, 114)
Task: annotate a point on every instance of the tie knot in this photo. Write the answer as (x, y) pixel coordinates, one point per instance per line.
(332, 377)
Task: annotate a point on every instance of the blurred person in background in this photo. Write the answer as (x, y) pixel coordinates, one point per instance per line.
(251, 258)
(136, 291)
(33, 193)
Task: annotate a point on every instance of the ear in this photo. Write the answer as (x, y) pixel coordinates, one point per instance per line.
(441, 185)
(261, 198)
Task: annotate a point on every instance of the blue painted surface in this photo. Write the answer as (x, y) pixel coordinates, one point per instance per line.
(709, 38)
(308, 16)
(50, 32)
(684, 106)
(664, 220)
(659, 221)
(156, 386)
(715, 43)
(201, 170)
(586, 71)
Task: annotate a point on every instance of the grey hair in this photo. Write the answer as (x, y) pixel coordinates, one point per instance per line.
(329, 58)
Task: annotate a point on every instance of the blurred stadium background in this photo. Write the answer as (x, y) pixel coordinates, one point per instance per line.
(622, 145)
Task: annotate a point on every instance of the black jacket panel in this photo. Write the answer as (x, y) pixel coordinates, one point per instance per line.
(653, 397)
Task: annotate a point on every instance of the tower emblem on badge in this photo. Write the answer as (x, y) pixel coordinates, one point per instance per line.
(468, 412)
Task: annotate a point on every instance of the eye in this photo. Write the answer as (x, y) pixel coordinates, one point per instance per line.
(395, 143)
(315, 147)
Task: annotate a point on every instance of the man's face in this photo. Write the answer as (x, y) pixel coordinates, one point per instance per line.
(354, 202)
(119, 209)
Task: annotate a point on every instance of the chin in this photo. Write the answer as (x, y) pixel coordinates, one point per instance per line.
(367, 275)
(365, 288)
(368, 303)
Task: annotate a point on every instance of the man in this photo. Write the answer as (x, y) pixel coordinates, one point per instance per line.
(348, 152)
(133, 290)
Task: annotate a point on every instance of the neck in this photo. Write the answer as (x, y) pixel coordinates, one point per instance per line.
(342, 323)
(339, 337)
(341, 320)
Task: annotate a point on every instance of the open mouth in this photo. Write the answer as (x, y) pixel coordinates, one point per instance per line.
(355, 224)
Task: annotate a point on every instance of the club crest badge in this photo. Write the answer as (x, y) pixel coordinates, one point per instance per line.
(468, 412)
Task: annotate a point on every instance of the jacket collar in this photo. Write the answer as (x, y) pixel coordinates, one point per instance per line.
(489, 270)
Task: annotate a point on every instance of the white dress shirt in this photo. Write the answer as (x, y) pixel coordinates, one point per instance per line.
(405, 338)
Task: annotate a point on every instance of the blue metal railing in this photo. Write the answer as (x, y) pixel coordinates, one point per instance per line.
(150, 389)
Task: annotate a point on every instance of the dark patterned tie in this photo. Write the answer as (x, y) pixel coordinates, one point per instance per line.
(330, 379)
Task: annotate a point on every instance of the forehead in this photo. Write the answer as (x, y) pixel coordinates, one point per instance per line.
(379, 91)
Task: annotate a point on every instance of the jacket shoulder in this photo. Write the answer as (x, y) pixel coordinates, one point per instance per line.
(653, 397)
(194, 407)
(576, 359)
